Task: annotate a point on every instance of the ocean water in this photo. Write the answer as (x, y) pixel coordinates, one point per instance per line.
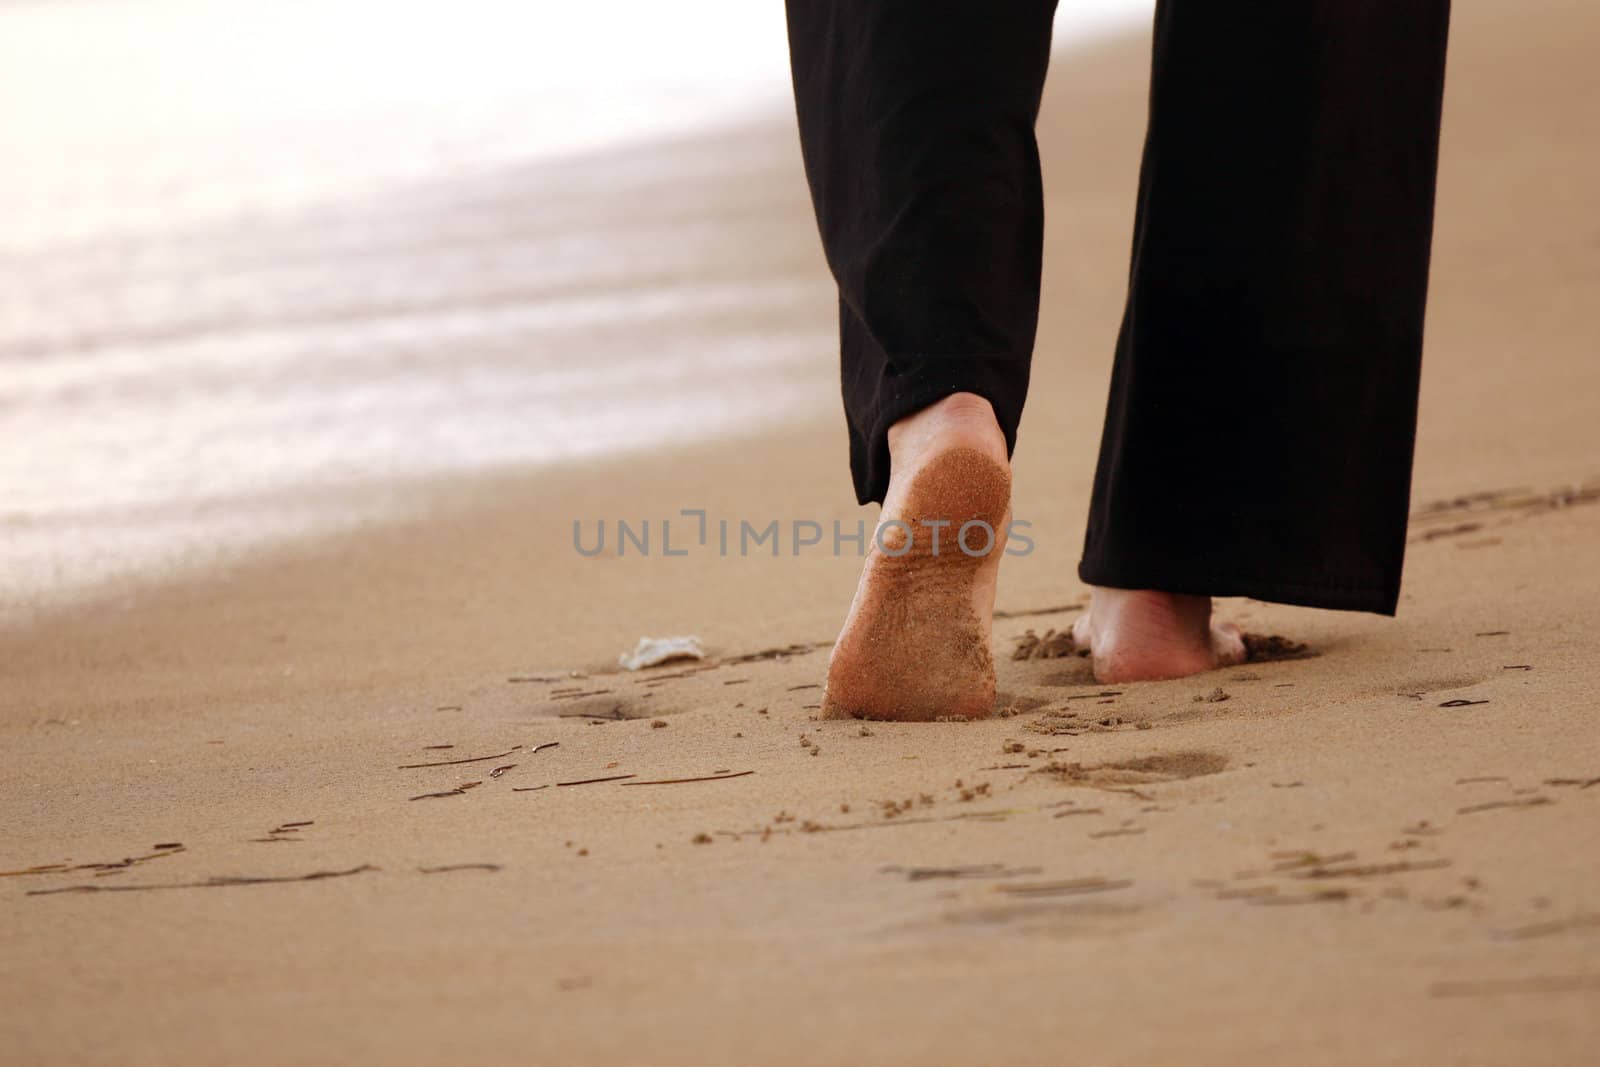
(268, 263)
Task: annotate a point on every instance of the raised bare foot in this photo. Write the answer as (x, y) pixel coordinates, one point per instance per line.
(1136, 635)
(917, 641)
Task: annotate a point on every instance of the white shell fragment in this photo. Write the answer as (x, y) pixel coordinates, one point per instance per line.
(653, 650)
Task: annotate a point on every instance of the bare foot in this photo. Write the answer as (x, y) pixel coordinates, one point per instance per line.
(917, 641)
(1137, 635)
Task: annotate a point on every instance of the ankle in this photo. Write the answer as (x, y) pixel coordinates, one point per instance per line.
(1152, 613)
(958, 419)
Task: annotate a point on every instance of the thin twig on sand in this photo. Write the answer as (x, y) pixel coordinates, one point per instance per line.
(210, 883)
(458, 762)
(701, 778)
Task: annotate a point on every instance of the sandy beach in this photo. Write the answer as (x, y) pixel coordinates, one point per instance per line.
(1378, 845)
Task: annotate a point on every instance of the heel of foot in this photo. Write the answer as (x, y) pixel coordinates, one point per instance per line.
(1147, 635)
(915, 647)
(958, 486)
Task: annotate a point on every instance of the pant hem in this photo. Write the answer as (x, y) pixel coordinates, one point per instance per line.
(1331, 594)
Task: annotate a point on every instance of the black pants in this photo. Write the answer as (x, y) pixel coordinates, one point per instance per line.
(1262, 415)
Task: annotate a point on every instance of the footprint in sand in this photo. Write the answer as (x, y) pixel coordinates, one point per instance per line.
(1145, 770)
(1420, 688)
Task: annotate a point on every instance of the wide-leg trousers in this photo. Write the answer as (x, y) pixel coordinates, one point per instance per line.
(1259, 432)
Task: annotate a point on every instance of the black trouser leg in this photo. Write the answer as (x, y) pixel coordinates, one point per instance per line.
(1259, 434)
(916, 124)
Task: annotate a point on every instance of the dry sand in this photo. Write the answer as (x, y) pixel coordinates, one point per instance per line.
(1387, 853)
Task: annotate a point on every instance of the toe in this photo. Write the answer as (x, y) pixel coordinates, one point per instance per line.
(1227, 644)
(1082, 633)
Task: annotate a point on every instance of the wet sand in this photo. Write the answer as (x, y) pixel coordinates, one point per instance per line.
(1386, 851)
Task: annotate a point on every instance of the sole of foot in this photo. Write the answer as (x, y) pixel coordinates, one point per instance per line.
(1140, 635)
(917, 644)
